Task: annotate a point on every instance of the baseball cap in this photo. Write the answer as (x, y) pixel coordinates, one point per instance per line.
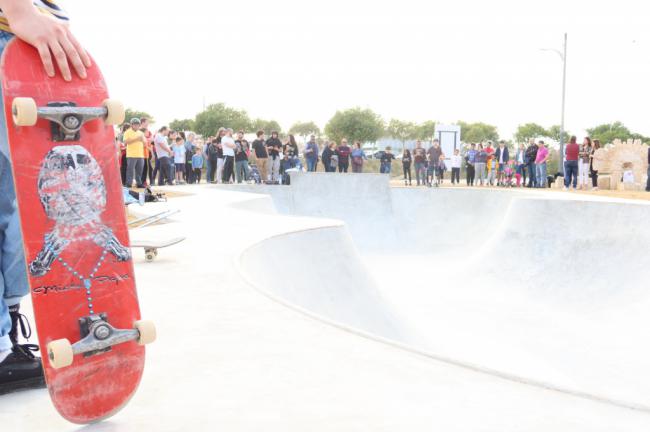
(135, 120)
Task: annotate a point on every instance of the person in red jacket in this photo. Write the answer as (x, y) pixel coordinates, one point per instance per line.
(572, 153)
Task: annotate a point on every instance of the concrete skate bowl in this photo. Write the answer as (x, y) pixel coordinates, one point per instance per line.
(545, 288)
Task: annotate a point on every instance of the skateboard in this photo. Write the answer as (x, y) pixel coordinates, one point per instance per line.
(151, 246)
(69, 194)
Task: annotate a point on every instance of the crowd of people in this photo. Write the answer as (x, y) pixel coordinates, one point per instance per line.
(169, 157)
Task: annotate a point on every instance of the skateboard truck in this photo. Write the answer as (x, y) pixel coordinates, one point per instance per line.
(97, 337)
(66, 117)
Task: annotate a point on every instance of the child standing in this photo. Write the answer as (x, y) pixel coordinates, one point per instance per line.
(406, 166)
(456, 160)
(197, 164)
(179, 159)
(440, 170)
(492, 170)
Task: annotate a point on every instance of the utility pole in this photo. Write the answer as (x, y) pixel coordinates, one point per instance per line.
(562, 55)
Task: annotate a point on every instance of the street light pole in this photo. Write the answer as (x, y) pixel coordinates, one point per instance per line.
(563, 105)
(562, 55)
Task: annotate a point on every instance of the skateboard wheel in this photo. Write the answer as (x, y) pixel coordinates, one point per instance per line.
(115, 112)
(147, 331)
(25, 111)
(155, 252)
(60, 353)
(149, 256)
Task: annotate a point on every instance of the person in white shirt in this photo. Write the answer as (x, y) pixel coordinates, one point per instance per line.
(456, 161)
(228, 144)
(163, 154)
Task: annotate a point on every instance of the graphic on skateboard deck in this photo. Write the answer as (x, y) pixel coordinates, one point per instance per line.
(69, 194)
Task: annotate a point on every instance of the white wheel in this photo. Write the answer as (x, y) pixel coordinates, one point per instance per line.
(149, 256)
(25, 111)
(60, 353)
(147, 331)
(115, 114)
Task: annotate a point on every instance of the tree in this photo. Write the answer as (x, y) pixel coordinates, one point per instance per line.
(477, 132)
(130, 113)
(182, 125)
(355, 124)
(401, 130)
(528, 131)
(219, 115)
(554, 133)
(267, 126)
(607, 133)
(304, 128)
(425, 131)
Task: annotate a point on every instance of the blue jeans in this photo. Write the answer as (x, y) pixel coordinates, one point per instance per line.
(532, 175)
(13, 273)
(311, 164)
(541, 175)
(571, 171)
(420, 172)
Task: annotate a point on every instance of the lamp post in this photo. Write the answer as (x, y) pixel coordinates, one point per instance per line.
(562, 55)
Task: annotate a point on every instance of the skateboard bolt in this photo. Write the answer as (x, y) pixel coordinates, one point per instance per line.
(102, 332)
(71, 122)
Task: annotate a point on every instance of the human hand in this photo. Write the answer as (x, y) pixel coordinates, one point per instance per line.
(53, 39)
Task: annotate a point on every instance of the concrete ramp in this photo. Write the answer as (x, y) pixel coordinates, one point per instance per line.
(542, 286)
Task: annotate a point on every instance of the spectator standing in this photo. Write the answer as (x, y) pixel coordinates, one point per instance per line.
(212, 155)
(343, 152)
(326, 157)
(147, 169)
(530, 157)
(540, 164)
(406, 166)
(571, 164)
(123, 163)
(261, 155)
(274, 147)
(311, 154)
(242, 171)
(179, 159)
(197, 165)
(584, 159)
(470, 159)
(456, 161)
(190, 150)
(358, 157)
(420, 163)
(480, 163)
(502, 156)
(228, 146)
(385, 162)
(292, 152)
(592, 171)
(520, 168)
(433, 154)
(135, 142)
(164, 154)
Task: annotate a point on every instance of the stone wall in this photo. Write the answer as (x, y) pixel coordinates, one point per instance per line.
(610, 163)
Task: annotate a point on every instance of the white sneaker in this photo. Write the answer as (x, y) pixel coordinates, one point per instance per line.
(565, 188)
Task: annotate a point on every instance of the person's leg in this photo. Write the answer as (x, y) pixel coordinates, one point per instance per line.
(220, 163)
(156, 170)
(123, 166)
(575, 174)
(238, 172)
(544, 176)
(647, 186)
(594, 179)
(139, 166)
(130, 171)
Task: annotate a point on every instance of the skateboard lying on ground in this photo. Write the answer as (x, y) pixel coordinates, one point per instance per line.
(151, 246)
(69, 193)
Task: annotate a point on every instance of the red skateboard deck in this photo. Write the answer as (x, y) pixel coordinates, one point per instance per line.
(75, 233)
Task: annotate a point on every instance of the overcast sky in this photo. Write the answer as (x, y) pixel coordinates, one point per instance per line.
(290, 60)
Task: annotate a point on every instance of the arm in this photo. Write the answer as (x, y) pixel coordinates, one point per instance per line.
(51, 37)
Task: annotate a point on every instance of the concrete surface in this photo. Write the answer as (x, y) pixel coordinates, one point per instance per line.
(387, 310)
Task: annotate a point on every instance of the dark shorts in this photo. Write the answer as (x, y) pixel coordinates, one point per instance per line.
(179, 166)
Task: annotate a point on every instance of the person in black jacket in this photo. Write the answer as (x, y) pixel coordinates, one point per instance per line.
(502, 156)
(406, 166)
(529, 159)
(326, 157)
(274, 147)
